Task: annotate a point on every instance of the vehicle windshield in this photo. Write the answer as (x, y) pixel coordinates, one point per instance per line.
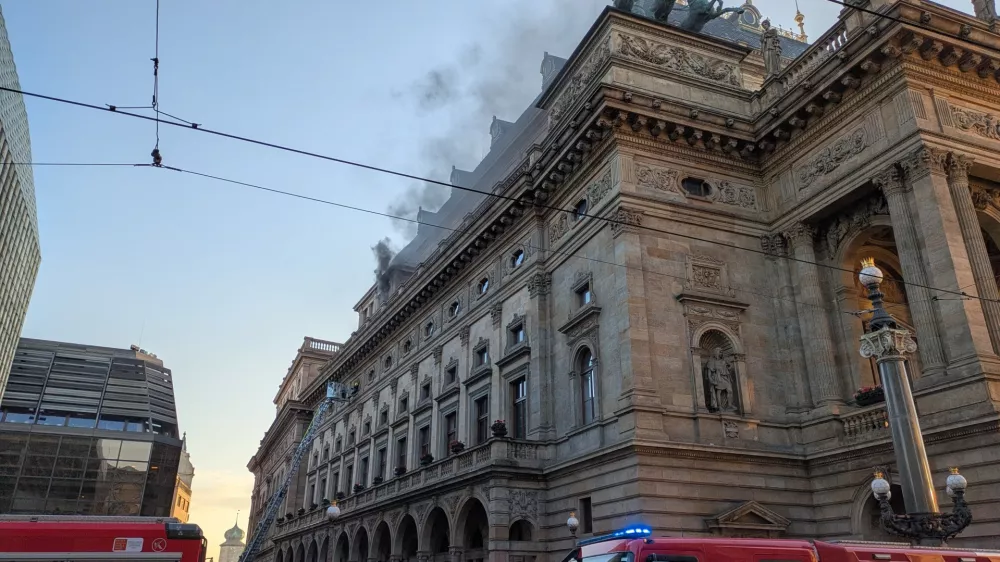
(610, 557)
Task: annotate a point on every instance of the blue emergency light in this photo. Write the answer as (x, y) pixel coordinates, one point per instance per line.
(634, 532)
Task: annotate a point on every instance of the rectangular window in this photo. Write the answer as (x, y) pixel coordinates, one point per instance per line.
(312, 493)
(382, 459)
(336, 483)
(586, 516)
(517, 334)
(383, 417)
(348, 481)
(363, 472)
(482, 357)
(425, 391)
(401, 452)
(450, 430)
(451, 375)
(587, 390)
(584, 295)
(404, 404)
(425, 440)
(326, 453)
(322, 491)
(339, 445)
(351, 437)
(367, 428)
(482, 419)
(519, 407)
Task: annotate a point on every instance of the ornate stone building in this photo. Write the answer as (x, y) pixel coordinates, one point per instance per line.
(680, 349)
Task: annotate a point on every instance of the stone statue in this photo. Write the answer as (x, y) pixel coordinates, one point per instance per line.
(770, 48)
(720, 375)
(701, 12)
(624, 5)
(662, 9)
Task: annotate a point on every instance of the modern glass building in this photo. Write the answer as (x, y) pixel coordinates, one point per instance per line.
(87, 430)
(20, 254)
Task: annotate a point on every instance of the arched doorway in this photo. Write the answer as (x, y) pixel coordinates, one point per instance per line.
(300, 553)
(324, 552)
(405, 542)
(313, 552)
(360, 551)
(436, 539)
(342, 552)
(871, 525)
(521, 530)
(382, 542)
(473, 531)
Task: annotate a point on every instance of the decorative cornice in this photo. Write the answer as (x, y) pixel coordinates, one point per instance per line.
(678, 59)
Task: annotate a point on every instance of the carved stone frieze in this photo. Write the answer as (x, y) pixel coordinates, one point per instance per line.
(559, 226)
(924, 160)
(580, 81)
(438, 351)
(983, 197)
(852, 221)
(731, 429)
(981, 124)
(463, 335)
(523, 503)
(496, 311)
(831, 157)
(626, 220)
(539, 284)
(743, 196)
(599, 190)
(708, 274)
(800, 233)
(658, 179)
(774, 245)
(451, 505)
(677, 59)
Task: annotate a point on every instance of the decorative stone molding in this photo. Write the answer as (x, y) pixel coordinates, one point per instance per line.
(583, 324)
(800, 233)
(726, 193)
(414, 371)
(582, 279)
(559, 226)
(496, 312)
(463, 335)
(890, 180)
(774, 245)
(854, 220)
(658, 179)
(626, 221)
(522, 504)
(749, 520)
(731, 430)
(831, 157)
(959, 166)
(887, 343)
(702, 309)
(599, 189)
(517, 320)
(680, 60)
(923, 161)
(580, 81)
(540, 284)
(708, 274)
(438, 352)
(974, 122)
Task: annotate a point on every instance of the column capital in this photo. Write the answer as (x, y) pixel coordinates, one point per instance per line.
(923, 161)
(774, 244)
(887, 343)
(890, 181)
(959, 166)
(800, 233)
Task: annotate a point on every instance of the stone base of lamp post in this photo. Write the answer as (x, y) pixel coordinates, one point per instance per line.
(931, 529)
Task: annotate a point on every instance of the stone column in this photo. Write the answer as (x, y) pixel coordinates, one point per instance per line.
(890, 181)
(790, 337)
(538, 327)
(817, 340)
(962, 326)
(982, 271)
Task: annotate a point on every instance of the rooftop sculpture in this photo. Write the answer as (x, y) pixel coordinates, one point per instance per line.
(699, 12)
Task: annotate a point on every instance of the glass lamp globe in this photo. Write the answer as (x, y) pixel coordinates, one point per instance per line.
(880, 486)
(332, 512)
(573, 523)
(956, 482)
(870, 275)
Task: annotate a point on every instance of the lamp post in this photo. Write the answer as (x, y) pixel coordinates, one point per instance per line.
(573, 524)
(333, 511)
(890, 346)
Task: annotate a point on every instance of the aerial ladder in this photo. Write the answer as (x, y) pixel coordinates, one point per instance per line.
(335, 393)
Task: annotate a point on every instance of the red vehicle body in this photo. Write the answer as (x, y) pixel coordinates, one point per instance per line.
(55, 538)
(694, 549)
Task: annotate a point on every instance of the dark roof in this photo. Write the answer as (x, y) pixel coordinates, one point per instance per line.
(741, 29)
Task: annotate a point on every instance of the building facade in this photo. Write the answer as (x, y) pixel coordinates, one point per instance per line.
(87, 430)
(20, 254)
(662, 310)
(181, 507)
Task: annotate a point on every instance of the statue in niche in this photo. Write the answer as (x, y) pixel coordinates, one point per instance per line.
(700, 12)
(720, 380)
(770, 47)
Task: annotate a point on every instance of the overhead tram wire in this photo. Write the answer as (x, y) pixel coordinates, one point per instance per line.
(913, 23)
(387, 171)
(405, 219)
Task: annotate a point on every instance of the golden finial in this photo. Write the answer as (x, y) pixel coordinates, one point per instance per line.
(954, 470)
(801, 20)
(867, 262)
(879, 474)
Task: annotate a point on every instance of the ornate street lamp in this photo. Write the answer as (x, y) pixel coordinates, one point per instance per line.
(573, 524)
(890, 346)
(333, 511)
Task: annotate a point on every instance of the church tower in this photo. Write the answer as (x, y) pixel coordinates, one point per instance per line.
(231, 550)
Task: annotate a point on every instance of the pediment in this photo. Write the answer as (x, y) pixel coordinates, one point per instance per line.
(750, 517)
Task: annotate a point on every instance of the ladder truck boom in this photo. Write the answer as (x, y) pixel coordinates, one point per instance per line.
(334, 393)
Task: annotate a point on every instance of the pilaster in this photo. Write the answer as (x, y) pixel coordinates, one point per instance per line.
(537, 325)
(790, 352)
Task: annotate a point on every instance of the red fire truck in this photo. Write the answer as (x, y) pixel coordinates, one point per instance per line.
(53, 538)
(634, 544)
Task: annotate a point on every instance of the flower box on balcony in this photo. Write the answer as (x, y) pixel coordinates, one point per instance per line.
(427, 459)
(499, 428)
(457, 447)
(358, 488)
(378, 480)
(341, 495)
(869, 395)
(399, 471)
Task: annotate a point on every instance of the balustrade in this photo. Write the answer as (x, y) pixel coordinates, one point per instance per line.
(867, 424)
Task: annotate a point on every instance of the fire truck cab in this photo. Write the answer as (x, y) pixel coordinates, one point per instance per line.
(53, 538)
(634, 544)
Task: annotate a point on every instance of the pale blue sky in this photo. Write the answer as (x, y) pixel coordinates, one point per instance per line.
(220, 281)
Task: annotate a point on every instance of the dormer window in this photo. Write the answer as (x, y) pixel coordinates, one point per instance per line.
(484, 285)
(517, 259)
(429, 329)
(580, 210)
(697, 187)
(454, 309)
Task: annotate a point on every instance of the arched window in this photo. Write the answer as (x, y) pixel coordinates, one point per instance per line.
(580, 210)
(454, 309)
(520, 531)
(697, 187)
(407, 346)
(388, 362)
(517, 259)
(588, 386)
(484, 285)
(429, 329)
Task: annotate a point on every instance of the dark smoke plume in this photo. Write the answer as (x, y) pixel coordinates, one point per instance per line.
(499, 77)
(383, 257)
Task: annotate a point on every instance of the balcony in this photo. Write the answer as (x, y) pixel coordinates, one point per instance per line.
(867, 424)
(507, 453)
